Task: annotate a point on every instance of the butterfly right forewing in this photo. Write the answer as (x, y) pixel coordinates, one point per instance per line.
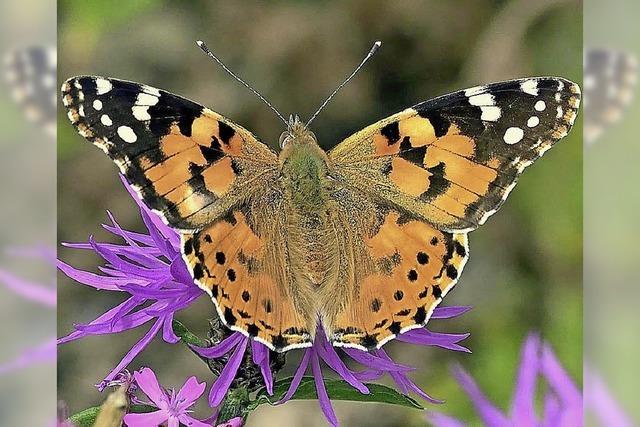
(453, 160)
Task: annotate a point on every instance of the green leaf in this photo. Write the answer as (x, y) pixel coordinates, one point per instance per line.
(337, 390)
(186, 335)
(87, 417)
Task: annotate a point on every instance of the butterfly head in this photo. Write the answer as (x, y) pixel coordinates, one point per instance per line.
(297, 133)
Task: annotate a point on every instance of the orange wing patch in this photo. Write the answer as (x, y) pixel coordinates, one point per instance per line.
(454, 160)
(417, 266)
(228, 260)
(188, 163)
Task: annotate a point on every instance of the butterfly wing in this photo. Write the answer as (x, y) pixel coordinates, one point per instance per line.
(31, 76)
(425, 177)
(188, 163)
(453, 160)
(394, 269)
(211, 179)
(610, 78)
(242, 261)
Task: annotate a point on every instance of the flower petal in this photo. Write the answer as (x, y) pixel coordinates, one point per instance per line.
(190, 392)
(147, 419)
(558, 379)
(449, 312)
(331, 358)
(228, 374)
(135, 350)
(220, 349)
(297, 377)
(191, 422)
(372, 361)
(260, 356)
(323, 397)
(233, 422)
(29, 290)
(523, 399)
(490, 415)
(148, 382)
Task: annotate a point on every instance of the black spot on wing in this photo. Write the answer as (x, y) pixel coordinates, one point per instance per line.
(369, 342)
(420, 316)
(226, 132)
(391, 132)
(229, 318)
(438, 184)
(440, 123)
(412, 154)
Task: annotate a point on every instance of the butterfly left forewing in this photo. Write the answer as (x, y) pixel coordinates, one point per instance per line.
(453, 160)
(188, 163)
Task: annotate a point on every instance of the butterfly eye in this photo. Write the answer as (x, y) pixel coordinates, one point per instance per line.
(284, 139)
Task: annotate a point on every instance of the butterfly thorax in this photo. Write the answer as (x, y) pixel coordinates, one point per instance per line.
(304, 173)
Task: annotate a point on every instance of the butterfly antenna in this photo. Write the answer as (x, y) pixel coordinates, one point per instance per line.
(373, 50)
(206, 50)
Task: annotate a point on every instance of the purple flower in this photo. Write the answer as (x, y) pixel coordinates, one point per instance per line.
(173, 408)
(562, 405)
(374, 364)
(149, 271)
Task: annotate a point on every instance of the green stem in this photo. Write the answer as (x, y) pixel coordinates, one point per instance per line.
(234, 405)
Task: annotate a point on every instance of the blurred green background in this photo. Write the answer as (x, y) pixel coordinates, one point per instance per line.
(525, 270)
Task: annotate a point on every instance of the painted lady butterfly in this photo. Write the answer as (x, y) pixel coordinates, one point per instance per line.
(365, 239)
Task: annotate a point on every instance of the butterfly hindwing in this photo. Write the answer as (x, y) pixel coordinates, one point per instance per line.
(453, 160)
(241, 261)
(188, 163)
(416, 265)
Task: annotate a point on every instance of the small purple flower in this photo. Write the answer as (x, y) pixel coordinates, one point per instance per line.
(173, 408)
(562, 403)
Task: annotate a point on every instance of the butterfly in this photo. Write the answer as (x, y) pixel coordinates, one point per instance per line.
(610, 78)
(30, 74)
(363, 241)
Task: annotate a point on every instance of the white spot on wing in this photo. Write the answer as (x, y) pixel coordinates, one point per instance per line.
(103, 86)
(127, 134)
(533, 121)
(97, 105)
(141, 113)
(530, 86)
(540, 106)
(482, 99)
(491, 114)
(513, 135)
(106, 120)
